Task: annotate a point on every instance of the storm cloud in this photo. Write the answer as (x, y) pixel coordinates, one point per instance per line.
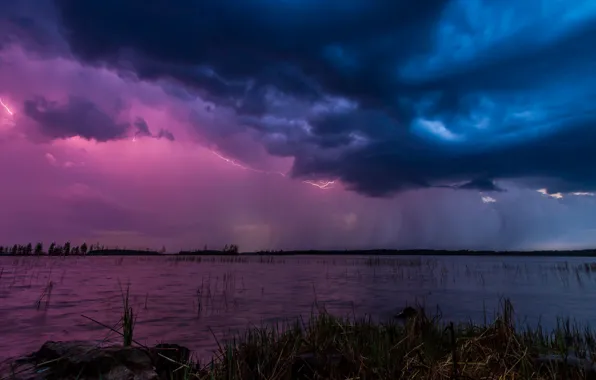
(302, 124)
(384, 96)
(83, 118)
(77, 117)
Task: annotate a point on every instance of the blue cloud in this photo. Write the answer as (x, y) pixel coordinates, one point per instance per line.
(385, 95)
(475, 32)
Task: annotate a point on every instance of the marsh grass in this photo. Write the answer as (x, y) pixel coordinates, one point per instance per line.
(327, 346)
(330, 347)
(36, 271)
(45, 294)
(217, 294)
(128, 318)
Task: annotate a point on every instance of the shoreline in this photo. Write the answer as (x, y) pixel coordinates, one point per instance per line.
(371, 252)
(412, 345)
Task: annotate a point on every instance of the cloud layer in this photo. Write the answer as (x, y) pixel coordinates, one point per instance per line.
(446, 99)
(385, 96)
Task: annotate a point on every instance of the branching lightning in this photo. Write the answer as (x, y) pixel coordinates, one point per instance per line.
(553, 195)
(8, 120)
(5, 106)
(324, 185)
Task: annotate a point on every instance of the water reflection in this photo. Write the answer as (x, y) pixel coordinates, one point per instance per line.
(183, 300)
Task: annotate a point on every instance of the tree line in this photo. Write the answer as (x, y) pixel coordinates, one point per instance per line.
(67, 249)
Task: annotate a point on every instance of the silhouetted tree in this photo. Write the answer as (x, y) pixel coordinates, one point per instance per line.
(84, 249)
(58, 250)
(67, 248)
(38, 249)
(232, 249)
(52, 249)
(28, 249)
(1, 249)
(15, 249)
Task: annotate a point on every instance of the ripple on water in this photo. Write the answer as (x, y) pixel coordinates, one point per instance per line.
(187, 302)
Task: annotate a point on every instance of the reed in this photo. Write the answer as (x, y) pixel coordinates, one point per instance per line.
(128, 318)
(423, 347)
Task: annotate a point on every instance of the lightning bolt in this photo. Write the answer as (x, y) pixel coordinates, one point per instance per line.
(323, 185)
(6, 107)
(554, 195)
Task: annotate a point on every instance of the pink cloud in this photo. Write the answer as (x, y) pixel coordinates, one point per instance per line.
(151, 192)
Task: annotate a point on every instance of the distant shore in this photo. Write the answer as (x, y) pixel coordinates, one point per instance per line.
(409, 252)
(370, 252)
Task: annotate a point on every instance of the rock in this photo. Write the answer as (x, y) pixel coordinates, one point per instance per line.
(168, 359)
(407, 313)
(86, 360)
(122, 372)
(19, 370)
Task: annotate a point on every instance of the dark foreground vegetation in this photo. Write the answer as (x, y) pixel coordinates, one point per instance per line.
(412, 346)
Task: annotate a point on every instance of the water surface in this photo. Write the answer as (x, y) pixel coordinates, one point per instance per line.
(187, 300)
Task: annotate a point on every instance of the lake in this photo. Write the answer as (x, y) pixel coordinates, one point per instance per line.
(187, 300)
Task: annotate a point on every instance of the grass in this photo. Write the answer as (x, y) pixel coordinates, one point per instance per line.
(330, 347)
(128, 319)
(424, 347)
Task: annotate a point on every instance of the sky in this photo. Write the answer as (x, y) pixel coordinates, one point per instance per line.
(299, 124)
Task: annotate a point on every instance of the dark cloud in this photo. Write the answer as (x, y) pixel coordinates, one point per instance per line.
(142, 128)
(481, 184)
(165, 134)
(241, 40)
(77, 117)
(31, 24)
(385, 95)
(81, 117)
(144, 131)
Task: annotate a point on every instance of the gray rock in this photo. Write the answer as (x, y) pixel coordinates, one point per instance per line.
(122, 372)
(168, 358)
(83, 360)
(407, 313)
